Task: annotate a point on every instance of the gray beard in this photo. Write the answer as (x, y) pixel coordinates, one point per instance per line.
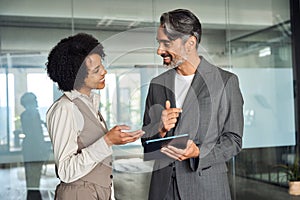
(173, 65)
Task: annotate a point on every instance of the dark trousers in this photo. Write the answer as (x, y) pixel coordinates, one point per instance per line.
(173, 193)
(33, 176)
(34, 195)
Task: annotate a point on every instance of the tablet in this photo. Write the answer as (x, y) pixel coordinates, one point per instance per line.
(152, 147)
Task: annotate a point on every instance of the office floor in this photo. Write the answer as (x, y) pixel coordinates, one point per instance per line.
(130, 185)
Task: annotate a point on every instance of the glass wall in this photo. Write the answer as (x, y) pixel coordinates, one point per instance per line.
(249, 38)
(262, 59)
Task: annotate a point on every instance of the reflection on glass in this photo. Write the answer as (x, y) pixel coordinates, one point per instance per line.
(34, 148)
(262, 59)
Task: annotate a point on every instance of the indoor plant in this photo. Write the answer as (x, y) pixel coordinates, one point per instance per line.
(293, 176)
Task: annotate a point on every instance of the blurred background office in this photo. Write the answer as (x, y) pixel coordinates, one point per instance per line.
(258, 40)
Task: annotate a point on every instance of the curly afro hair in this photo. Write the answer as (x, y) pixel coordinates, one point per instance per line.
(66, 61)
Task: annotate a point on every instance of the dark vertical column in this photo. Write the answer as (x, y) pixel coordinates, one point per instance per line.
(295, 28)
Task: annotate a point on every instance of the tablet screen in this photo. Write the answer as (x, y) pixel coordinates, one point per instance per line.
(152, 147)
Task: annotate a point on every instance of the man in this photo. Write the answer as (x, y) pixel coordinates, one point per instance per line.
(197, 98)
(82, 144)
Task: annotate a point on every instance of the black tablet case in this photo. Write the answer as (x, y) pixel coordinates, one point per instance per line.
(152, 147)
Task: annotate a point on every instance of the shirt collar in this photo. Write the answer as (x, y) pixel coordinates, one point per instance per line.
(73, 94)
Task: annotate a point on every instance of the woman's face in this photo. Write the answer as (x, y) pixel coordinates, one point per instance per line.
(95, 78)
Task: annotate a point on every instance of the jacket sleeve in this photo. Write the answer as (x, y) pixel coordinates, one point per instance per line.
(151, 120)
(231, 123)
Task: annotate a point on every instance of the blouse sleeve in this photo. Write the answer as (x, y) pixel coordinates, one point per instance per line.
(63, 129)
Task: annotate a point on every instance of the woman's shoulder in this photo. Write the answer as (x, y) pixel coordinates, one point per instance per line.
(62, 104)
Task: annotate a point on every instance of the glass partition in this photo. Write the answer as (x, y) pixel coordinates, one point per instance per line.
(264, 65)
(249, 38)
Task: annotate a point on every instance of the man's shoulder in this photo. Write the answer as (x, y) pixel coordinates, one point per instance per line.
(161, 77)
(164, 74)
(225, 73)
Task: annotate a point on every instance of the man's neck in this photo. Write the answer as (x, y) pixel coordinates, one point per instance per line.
(189, 67)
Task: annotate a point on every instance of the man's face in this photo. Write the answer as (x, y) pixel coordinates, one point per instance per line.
(96, 72)
(172, 51)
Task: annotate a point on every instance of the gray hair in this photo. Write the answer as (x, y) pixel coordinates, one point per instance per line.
(181, 23)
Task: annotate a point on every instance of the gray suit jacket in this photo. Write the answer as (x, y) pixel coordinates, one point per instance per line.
(213, 117)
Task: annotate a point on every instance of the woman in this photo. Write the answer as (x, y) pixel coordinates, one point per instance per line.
(81, 141)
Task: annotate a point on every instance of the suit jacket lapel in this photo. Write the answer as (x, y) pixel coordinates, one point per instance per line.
(198, 86)
(197, 101)
(169, 83)
(170, 87)
(194, 91)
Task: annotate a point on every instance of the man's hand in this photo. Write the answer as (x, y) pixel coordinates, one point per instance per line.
(191, 151)
(115, 136)
(168, 118)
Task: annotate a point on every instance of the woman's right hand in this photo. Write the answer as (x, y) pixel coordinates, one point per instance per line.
(116, 136)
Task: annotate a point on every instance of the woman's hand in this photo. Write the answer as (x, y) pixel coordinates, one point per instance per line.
(119, 135)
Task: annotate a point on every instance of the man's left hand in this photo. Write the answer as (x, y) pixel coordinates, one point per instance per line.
(191, 151)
